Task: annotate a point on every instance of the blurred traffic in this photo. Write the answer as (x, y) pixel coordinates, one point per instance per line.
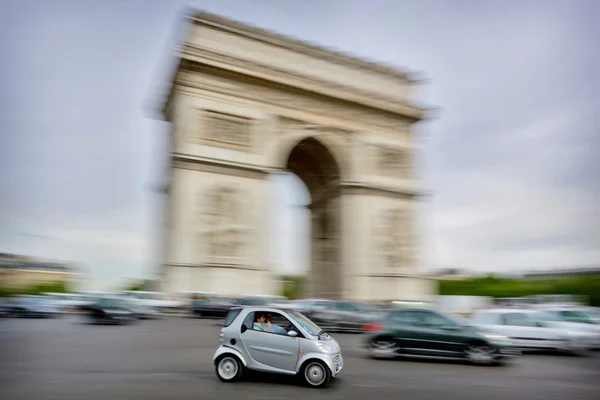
(561, 323)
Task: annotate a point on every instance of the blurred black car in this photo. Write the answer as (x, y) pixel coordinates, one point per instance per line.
(30, 307)
(424, 332)
(250, 301)
(111, 311)
(216, 308)
(3, 308)
(144, 312)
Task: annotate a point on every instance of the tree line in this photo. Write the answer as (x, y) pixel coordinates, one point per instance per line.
(587, 286)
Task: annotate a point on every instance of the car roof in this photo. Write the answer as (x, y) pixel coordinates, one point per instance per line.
(509, 310)
(263, 308)
(412, 309)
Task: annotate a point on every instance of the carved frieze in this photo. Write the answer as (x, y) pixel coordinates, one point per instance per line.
(223, 129)
(225, 226)
(348, 112)
(289, 125)
(390, 162)
(393, 162)
(392, 235)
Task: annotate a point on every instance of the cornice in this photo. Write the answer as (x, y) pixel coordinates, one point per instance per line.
(298, 46)
(194, 58)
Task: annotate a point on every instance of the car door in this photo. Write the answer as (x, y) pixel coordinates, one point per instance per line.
(440, 335)
(405, 328)
(270, 350)
(525, 332)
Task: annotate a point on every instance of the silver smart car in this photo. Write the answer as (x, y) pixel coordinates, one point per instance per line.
(276, 340)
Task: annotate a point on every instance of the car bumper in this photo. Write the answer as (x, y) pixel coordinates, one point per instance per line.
(509, 351)
(338, 364)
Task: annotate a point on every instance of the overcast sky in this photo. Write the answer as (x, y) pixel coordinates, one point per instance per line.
(512, 161)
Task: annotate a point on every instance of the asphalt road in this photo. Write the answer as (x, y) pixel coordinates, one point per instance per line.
(171, 359)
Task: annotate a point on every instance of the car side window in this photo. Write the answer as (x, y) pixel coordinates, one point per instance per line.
(435, 320)
(272, 322)
(486, 319)
(321, 305)
(346, 306)
(231, 316)
(405, 317)
(572, 316)
(517, 319)
(248, 321)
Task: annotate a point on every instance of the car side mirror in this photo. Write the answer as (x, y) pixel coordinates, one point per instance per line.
(292, 333)
(244, 328)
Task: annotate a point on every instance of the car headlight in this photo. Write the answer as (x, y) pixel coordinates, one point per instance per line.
(495, 338)
(325, 347)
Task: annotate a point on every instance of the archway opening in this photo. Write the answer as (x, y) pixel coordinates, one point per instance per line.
(306, 220)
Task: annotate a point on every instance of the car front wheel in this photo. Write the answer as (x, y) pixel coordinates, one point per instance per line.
(383, 348)
(480, 353)
(229, 368)
(316, 374)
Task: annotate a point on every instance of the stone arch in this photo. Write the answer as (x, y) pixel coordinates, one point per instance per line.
(314, 162)
(334, 144)
(263, 95)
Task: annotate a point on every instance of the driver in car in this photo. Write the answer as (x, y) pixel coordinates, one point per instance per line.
(261, 323)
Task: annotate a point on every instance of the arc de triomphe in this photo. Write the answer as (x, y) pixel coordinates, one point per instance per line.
(245, 103)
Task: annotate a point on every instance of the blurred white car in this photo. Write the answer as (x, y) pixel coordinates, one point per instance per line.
(534, 329)
(576, 317)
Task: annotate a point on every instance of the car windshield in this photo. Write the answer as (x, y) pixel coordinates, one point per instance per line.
(310, 327)
(577, 316)
(594, 315)
(110, 303)
(543, 317)
(367, 307)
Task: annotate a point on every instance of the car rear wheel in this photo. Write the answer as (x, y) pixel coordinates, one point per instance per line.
(229, 368)
(480, 353)
(383, 348)
(316, 374)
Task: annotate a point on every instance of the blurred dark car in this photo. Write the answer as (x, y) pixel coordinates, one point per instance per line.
(30, 307)
(143, 312)
(212, 307)
(426, 332)
(338, 316)
(3, 308)
(250, 301)
(110, 311)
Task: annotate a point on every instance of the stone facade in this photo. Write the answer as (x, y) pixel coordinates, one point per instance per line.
(245, 103)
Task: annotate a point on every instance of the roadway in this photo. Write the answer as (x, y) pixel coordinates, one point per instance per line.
(66, 358)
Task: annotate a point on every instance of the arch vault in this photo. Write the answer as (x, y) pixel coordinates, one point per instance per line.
(245, 103)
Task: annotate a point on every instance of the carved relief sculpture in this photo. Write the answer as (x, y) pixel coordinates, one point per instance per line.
(392, 162)
(394, 124)
(220, 129)
(225, 231)
(393, 234)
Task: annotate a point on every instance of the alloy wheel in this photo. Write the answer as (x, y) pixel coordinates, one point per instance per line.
(384, 348)
(227, 368)
(480, 354)
(315, 374)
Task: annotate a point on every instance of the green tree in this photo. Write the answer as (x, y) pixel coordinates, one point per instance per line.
(588, 287)
(293, 287)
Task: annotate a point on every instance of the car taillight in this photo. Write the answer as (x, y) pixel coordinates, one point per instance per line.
(373, 327)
